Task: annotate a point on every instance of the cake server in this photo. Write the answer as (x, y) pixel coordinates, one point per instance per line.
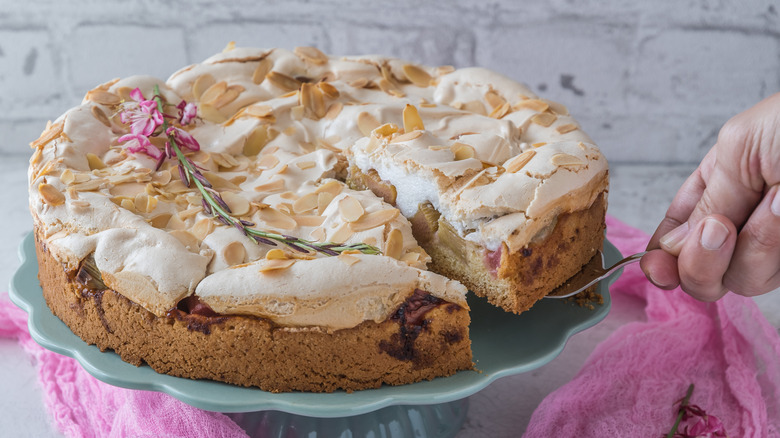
(591, 274)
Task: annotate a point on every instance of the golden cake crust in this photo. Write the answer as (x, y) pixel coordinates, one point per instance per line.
(251, 351)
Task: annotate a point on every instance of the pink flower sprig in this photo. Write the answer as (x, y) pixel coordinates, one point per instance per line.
(693, 422)
(147, 118)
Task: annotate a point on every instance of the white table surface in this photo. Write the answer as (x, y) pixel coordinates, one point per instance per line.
(639, 196)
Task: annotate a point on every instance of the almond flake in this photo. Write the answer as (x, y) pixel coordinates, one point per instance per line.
(231, 93)
(201, 84)
(348, 259)
(104, 97)
(409, 136)
(367, 123)
(101, 116)
(374, 219)
(231, 45)
(234, 253)
(544, 119)
(313, 100)
(412, 119)
(303, 165)
(333, 187)
(297, 112)
(395, 244)
(267, 162)
(389, 88)
(475, 107)
(566, 160)
(95, 162)
(311, 55)
(417, 75)
(276, 265)
(318, 234)
(212, 114)
(323, 200)
(329, 90)
(334, 110)
(160, 221)
(540, 144)
(128, 204)
(350, 209)
(263, 68)
(256, 141)
(494, 99)
(359, 83)
(213, 93)
(309, 220)
(501, 111)
(305, 203)
(88, 186)
(462, 151)
(537, 105)
(190, 212)
(175, 223)
(386, 130)
(124, 93)
(187, 239)
(239, 205)
(517, 162)
(161, 177)
(558, 108)
(276, 219)
(569, 127)
(411, 258)
(276, 254)
(283, 81)
(51, 132)
(202, 228)
(51, 195)
(342, 234)
(67, 176)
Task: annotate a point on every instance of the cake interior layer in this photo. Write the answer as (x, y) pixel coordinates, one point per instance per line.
(512, 280)
(425, 338)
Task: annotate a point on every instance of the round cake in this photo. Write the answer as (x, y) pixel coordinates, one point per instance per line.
(293, 221)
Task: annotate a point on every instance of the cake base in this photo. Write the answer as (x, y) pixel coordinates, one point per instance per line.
(252, 351)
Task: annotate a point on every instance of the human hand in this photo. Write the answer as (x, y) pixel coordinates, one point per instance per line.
(722, 230)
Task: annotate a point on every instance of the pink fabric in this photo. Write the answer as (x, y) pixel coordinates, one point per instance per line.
(628, 387)
(631, 382)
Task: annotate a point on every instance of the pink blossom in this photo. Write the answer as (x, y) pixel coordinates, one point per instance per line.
(142, 114)
(697, 423)
(183, 138)
(140, 143)
(187, 112)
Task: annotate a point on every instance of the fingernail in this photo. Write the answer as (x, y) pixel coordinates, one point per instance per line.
(713, 234)
(775, 207)
(672, 241)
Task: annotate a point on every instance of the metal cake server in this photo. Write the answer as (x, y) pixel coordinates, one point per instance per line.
(591, 274)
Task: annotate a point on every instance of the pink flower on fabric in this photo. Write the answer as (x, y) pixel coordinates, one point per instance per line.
(187, 112)
(183, 138)
(142, 114)
(140, 143)
(696, 423)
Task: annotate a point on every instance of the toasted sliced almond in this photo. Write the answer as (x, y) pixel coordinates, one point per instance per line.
(329, 90)
(239, 205)
(417, 75)
(318, 234)
(517, 162)
(128, 204)
(51, 132)
(160, 221)
(231, 93)
(303, 165)
(256, 141)
(334, 110)
(283, 81)
(394, 244)
(390, 88)
(103, 97)
(311, 55)
(263, 68)
(267, 162)
(213, 93)
(367, 123)
(475, 107)
(412, 119)
(124, 93)
(533, 104)
(101, 116)
(306, 203)
(187, 239)
(558, 108)
(540, 144)
(386, 130)
(494, 99)
(95, 162)
(212, 114)
(67, 176)
(201, 84)
(202, 228)
(569, 127)
(359, 83)
(309, 220)
(566, 160)
(88, 186)
(175, 223)
(234, 253)
(374, 219)
(333, 187)
(501, 111)
(276, 254)
(350, 209)
(276, 219)
(161, 177)
(51, 195)
(231, 45)
(409, 136)
(276, 265)
(342, 234)
(544, 119)
(323, 200)
(348, 259)
(462, 151)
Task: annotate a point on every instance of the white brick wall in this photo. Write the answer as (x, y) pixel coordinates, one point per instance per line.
(651, 81)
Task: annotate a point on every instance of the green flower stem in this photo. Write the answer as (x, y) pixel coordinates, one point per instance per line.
(683, 404)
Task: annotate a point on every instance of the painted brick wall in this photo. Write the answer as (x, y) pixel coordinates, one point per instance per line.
(651, 81)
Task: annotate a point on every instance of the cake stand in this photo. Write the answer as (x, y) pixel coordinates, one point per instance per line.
(503, 344)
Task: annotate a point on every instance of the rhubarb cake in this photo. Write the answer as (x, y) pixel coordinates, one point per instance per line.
(298, 222)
